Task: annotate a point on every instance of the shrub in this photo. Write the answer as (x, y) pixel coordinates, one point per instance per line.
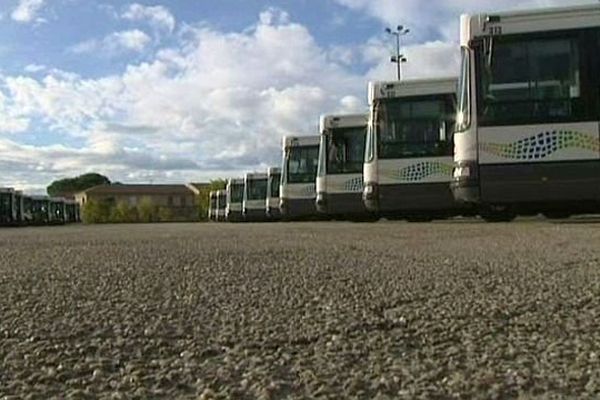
(147, 211)
(165, 214)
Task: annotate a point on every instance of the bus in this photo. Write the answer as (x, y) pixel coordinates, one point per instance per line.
(212, 206)
(255, 196)
(527, 135)
(299, 173)
(409, 151)
(19, 207)
(340, 170)
(57, 211)
(27, 210)
(71, 211)
(235, 197)
(8, 210)
(272, 202)
(40, 210)
(221, 205)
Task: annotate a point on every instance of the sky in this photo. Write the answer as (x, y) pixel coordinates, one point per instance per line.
(174, 91)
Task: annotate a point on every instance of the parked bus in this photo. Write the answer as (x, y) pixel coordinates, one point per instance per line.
(27, 210)
(57, 211)
(71, 212)
(528, 117)
(340, 171)
(8, 211)
(221, 205)
(40, 210)
(19, 207)
(299, 172)
(212, 206)
(255, 196)
(235, 197)
(409, 151)
(272, 203)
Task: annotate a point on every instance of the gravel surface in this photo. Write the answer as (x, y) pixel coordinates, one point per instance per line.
(328, 310)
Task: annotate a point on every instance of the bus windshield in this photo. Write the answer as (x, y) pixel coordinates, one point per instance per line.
(415, 127)
(5, 204)
(257, 189)
(345, 150)
(302, 164)
(237, 192)
(275, 181)
(531, 80)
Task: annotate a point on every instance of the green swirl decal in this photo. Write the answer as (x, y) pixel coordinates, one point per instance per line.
(354, 185)
(422, 170)
(542, 145)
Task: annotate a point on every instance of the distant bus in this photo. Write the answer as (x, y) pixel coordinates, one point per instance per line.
(221, 205)
(235, 197)
(8, 210)
(272, 202)
(299, 173)
(528, 118)
(255, 196)
(340, 171)
(40, 210)
(409, 150)
(212, 206)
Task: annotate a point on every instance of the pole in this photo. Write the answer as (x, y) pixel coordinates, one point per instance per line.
(398, 56)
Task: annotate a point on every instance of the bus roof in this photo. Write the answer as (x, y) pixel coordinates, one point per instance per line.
(256, 175)
(292, 141)
(412, 88)
(327, 122)
(529, 21)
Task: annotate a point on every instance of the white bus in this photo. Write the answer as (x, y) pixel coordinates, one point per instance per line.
(299, 173)
(235, 197)
(409, 152)
(58, 211)
(221, 205)
(40, 210)
(8, 209)
(255, 196)
(272, 203)
(528, 118)
(340, 171)
(212, 206)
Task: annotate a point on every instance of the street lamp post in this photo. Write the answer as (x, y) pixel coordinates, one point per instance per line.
(398, 58)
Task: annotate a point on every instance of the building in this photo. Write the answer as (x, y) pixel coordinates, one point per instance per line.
(179, 201)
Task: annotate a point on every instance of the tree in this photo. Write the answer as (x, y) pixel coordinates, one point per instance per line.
(69, 186)
(204, 196)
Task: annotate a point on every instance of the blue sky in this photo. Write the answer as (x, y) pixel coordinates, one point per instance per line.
(188, 90)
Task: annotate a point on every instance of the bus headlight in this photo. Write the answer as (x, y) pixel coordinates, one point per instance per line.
(370, 191)
(462, 172)
(465, 171)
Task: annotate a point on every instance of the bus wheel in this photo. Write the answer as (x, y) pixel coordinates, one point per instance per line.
(496, 213)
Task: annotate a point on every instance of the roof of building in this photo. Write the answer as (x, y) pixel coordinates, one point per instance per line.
(120, 189)
(197, 187)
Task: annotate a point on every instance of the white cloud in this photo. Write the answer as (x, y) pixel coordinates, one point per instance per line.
(273, 15)
(33, 68)
(158, 16)
(115, 43)
(27, 11)
(215, 105)
(440, 17)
